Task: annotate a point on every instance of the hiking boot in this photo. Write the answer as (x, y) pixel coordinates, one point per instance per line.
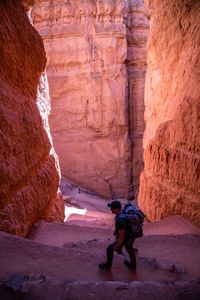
(104, 266)
(129, 265)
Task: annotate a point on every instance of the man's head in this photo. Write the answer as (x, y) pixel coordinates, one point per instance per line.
(115, 206)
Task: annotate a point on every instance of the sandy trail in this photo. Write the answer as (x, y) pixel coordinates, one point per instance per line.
(72, 250)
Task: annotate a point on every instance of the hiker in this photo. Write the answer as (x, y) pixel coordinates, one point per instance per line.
(124, 238)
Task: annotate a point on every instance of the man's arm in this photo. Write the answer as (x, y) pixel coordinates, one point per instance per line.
(120, 239)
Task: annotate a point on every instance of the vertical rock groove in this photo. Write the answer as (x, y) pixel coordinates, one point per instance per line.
(137, 25)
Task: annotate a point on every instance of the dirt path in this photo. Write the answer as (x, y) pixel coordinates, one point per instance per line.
(72, 250)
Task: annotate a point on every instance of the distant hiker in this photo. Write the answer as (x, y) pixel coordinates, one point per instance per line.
(124, 238)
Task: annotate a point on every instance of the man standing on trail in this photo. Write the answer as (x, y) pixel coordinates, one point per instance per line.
(124, 238)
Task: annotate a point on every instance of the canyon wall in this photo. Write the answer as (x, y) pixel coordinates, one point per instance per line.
(96, 62)
(137, 34)
(28, 173)
(170, 183)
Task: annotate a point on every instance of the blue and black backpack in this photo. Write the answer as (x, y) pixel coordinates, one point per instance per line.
(135, 218)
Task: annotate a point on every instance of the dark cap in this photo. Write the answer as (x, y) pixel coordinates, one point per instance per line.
(114, 204)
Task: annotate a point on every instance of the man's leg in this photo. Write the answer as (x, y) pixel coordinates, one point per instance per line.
(131, 252)
(110, 254)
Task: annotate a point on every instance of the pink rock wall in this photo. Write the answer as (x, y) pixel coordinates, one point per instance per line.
(137, 34)
(28, 176)
(96, 68)
(170, 183)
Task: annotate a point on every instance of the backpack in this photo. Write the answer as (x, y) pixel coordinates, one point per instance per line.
(135, 218)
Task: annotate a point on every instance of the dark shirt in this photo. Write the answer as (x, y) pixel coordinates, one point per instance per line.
(122, 223)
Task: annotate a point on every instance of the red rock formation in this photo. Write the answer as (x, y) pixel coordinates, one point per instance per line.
(137, 33)
(170, 183)
(28, 176)
(96, 66)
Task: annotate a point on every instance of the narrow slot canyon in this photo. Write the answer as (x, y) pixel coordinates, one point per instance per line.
(99, 101)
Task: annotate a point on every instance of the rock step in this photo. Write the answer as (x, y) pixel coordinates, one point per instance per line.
(167, 257)
(39, 287)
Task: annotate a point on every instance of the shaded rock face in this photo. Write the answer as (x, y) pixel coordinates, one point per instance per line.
(170, 183)
(28, 175)
(137, 34)
(96, 62)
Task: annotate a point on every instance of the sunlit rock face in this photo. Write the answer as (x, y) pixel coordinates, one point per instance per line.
(28, 175)
(170, 183)
(96, 62)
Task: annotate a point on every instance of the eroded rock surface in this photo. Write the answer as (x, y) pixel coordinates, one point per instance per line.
(170, 183)
(28, 176)
(96, 67)
(137, 34)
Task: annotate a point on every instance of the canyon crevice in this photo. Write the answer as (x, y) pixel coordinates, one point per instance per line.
(96, 64)
(170, 183)
(29, 177)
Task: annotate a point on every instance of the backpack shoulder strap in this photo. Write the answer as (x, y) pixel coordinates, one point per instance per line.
(121, 216)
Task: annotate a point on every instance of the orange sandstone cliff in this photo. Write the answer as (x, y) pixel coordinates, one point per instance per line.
(28, 174)
(170, 183)
(96, 64)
